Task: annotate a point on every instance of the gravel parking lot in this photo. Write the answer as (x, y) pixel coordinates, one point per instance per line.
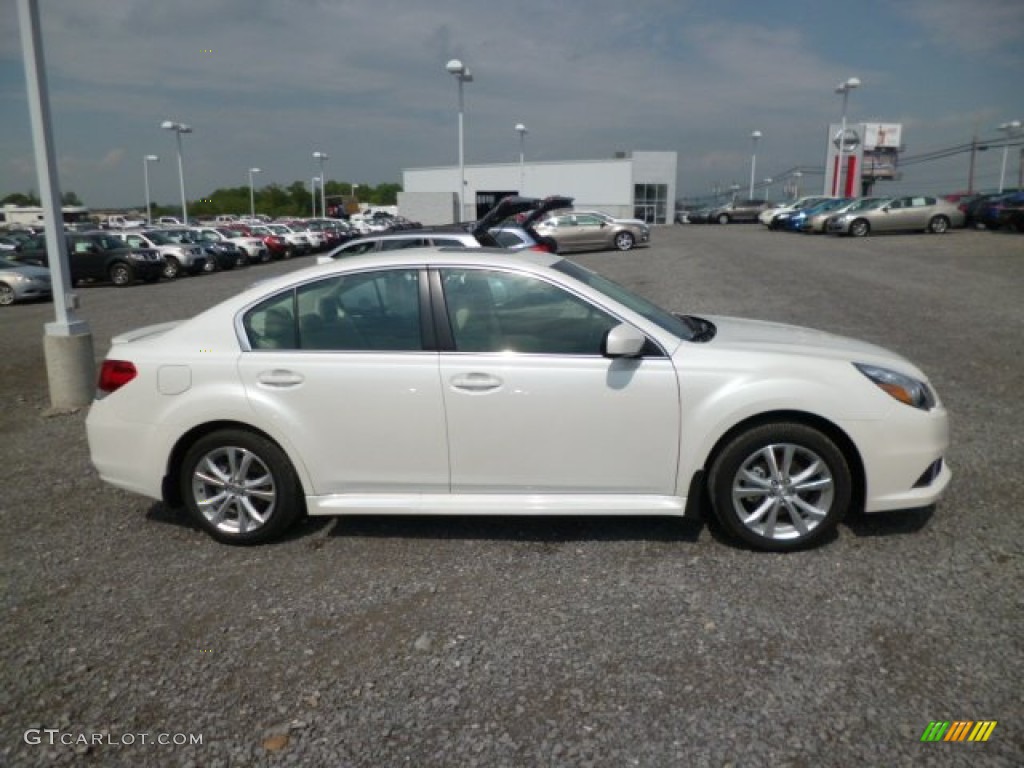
(569, 642)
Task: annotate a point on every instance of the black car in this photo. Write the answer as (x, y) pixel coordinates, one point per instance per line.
(97, 256)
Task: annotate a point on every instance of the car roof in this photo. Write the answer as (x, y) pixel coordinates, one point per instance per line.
(409, 257)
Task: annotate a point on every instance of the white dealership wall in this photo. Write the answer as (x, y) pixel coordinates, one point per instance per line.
(607, 185)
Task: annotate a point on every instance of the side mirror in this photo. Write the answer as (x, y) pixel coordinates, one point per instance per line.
(623, 341)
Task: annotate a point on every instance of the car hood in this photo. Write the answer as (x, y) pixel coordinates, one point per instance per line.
(741, 334)
(28, 270)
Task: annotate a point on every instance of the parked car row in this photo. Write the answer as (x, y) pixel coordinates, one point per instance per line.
(994, 210)
(861, 216)
(127, 256)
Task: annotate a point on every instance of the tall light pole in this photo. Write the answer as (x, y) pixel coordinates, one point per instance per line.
(754, 136)
(1010, 129)
(843, 88)
(179, 128)
(145, 177)
(462, 74)
(67, 342)
(521, 130)
(797, 175)
(252, 194)
(322, 157)
(316, 179)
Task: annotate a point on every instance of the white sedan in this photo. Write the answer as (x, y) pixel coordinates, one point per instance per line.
(436, 381)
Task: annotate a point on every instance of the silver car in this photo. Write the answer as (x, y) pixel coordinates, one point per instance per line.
(20, 282)
(574, 231)
(899, 214)
(178, 257)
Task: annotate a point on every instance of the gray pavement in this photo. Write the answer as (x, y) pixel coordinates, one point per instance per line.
(569, 642)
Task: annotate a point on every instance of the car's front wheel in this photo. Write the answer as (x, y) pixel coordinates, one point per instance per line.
(723, 218)
(6, 295)
(859, 228)
(780, 487)
(624, 241)
(240, 487)
(121, 274)
(172, 267)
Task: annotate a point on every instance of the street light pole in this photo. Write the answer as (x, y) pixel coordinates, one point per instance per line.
(321, 156)
(67, 342)
(179, 128)
(843, 88)
(754, 136)
(521, 130)
(145, 176)
(797, 175)
(252, 194)
(462, 74)
(313, 195)
(1010, 129)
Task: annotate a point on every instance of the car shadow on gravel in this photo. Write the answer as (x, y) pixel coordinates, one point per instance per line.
(178, 517)
(552, 529)
(900, 522)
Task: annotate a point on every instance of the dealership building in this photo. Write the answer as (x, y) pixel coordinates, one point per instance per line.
(631, 185)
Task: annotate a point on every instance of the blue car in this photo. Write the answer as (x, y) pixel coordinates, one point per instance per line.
(801, 220)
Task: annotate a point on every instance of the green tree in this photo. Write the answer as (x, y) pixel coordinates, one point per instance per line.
(17, 198)
(70, 198)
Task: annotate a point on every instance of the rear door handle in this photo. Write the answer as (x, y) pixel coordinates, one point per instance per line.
(280, 378)
(476, 382)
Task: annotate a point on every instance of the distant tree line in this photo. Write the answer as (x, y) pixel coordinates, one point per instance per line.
(296, 199)
(31, 199)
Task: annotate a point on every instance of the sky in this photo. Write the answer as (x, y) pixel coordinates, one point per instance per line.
(266, 83)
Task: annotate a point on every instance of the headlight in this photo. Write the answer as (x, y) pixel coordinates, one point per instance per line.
(903, 388)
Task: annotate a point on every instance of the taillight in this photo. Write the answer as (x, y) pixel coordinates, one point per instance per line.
(540, 247)
(114, 374)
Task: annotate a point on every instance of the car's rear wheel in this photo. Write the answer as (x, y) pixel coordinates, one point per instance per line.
(859, 228)
(780, 487)
(120, 274)
(6, 295)
(723, 218)
(938, 224)
(172, 267)
(624, 241)
(240, 487)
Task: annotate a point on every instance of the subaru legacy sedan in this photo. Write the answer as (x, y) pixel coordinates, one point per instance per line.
(482, 382)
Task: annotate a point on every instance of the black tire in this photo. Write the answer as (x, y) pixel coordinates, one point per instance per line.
(938, 225)
(172, 267)
(624, 241)
(723, 218)
(211, 265)
(6, 295)
(121, 274)
(766, 513)
(267, 482)
(859, 228)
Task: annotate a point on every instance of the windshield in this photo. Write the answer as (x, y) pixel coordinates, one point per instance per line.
(867, 204)
(5, 264)
(110, 243)
(664, 320)
(159, 238)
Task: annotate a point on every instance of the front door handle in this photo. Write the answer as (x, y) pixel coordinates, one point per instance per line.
(280, 378)
(476, 382)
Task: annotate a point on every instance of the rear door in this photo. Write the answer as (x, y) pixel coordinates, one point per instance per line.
(342, 364)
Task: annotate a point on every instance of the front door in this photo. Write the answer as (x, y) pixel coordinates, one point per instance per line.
(533, 406)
